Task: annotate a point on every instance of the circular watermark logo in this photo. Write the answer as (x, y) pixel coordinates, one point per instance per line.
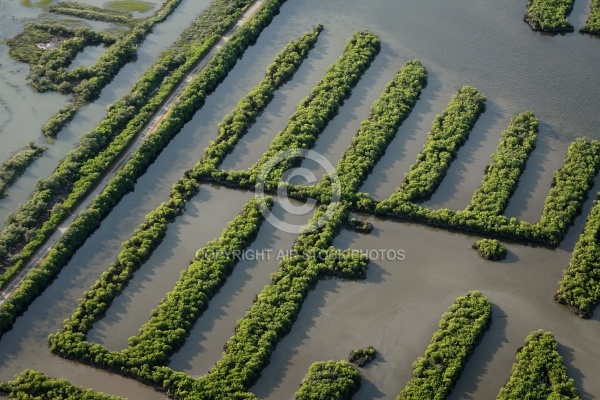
(307, 175)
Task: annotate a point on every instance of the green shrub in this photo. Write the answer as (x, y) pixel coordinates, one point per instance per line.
(360, 226)
(331, 380)
(362, 357)
(490, 249)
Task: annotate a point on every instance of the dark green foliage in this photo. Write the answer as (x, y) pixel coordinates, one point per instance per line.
(580, 286)
(549, 15)
(89, 220)
(360, 226)
(377, 131)
(448, 133)
(490, 249)
(331, 380)
(508, 162)
(593, 23)
(570, 187)
(539, 372)
(315, 111)
(15, 166)
(90, 12)
(362, 357)
(461, 330)
(33, 385)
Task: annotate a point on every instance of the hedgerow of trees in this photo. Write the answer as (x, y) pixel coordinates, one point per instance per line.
(461, 330)
(93, 13)
(539, 372)
(14, 167)
(593, 23)
(377, 131)
(508, 163)
(449, 132)
(580, 287)
(331, 380)
(549, 15)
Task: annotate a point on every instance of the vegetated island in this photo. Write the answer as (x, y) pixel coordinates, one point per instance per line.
(549, 15)
(490, 249)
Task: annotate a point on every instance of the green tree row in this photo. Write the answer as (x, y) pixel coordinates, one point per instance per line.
(93, 13)
(461, 330)
(54, 198)
(593, 23)
(14, 167)
(315, 111)
(549, 15)
(508, 163)
(90, 219)
(570, 187)
(539, 372)
(580, 287)
(331, 380)
(377, 131)
(449, 132)
(30, 385)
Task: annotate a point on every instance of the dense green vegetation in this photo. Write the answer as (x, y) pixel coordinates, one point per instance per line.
(362, 357)
(490, 249)
(377, 131)
(580, 287)
(93, 13)
(331, 380)
(30, 385)
(89, 220)
(570, 187)
(461, 330)
(449, 132)
(315, 111)
(539, 372)
(549, 15)
(593, 23)
(54, 198)
(360, 226)
(508, 163)
(14, 167)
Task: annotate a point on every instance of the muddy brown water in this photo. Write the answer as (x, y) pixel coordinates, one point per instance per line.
(397, 308)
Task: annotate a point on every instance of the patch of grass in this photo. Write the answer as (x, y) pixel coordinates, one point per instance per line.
(129, 5)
